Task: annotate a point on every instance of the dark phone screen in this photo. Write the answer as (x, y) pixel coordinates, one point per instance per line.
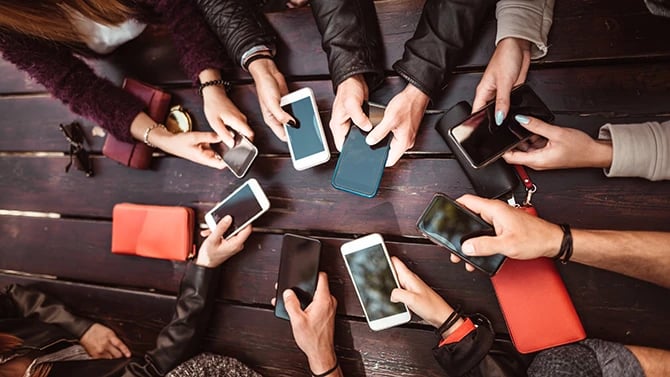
(305, 137)
(373, 278)
(298, 270)
(482, 140)
(241, 207)
(449, 224)
(239, 157)
(360, 167)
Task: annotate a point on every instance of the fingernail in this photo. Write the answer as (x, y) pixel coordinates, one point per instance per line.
(522, 119)
(287, 293)
(291, 123)
(370, 140)
(500, 116)
(467, 248)
(227, 218)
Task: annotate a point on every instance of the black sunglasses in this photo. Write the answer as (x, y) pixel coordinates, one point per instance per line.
(75, 136)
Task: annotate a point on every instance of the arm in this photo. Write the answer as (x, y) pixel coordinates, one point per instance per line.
(529, 20)
(179, 340)
(642, 255)
(445, 30)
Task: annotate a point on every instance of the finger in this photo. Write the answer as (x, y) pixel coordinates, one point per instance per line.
(454, 258)
(322, 290)
(482, 96)
(225, 135)
(482, 246)
(403, 273)
(242, 236)
(276, 285)
(221, 227)
(402, 295)
(380, 131)
(502, 102)
(112, 350)
(273, 301)
(279, 131)
(469, 268)
(121, 346)
(481, 206)
(360, 119)
(205, 233)
(537, 126)
(241, 126)
(292, 305)
(521, 158)
(201, 137)
(395, 152)
(278, 113)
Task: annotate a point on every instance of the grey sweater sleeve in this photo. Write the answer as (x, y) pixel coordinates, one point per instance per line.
(526, 19)
(639, 150)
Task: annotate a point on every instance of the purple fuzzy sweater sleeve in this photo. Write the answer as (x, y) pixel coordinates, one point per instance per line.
(195, 42)
(72, 81)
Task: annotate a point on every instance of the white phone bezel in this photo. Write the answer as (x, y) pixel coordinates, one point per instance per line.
(316, 158)
(254, 155)
(260, 197)
(361, 244)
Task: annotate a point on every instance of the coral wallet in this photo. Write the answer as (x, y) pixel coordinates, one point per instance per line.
(163, 232)
(536, 305)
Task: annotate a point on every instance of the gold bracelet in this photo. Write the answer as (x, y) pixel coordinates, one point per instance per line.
(146, 133)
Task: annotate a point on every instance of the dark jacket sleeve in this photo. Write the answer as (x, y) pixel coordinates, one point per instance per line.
(238, 25)
(180, 339)
(196, 45)
(479, 354)
(23, 302)
(73, 82)
(445, 30)
(351, 39)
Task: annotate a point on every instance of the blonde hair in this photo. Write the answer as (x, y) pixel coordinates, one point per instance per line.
(50, 19)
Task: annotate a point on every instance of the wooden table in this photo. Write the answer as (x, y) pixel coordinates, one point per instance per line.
(607, 62)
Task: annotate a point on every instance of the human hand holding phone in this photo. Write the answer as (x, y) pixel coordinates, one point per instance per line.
(270, 87)
(298, 271)
(348, 109)
(565, 148)
(314, 328)
(215, 249)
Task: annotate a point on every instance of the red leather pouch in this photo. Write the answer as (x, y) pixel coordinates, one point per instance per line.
(164, 232)
(535, 303)
(138, 155)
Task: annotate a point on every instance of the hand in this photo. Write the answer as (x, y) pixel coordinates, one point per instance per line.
(220, 112)
(518, 234)
(193, 146)
(402, 117)
(348, 107)
(100, 342)
(419, 297)
(296, 3)
(565, 148)
(215, 249)
(314, 328)
(507, 68)
(270, 87)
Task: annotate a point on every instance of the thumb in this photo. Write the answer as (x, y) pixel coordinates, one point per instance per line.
(379, 132)
(221, 227)
(292, 304)
(361, 120)
(206, 137)
(401, 295)
(482, 246)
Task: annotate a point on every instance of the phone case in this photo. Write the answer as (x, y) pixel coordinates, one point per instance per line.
(138, 155)
(164, 232)
(491, 181)
(536, 305)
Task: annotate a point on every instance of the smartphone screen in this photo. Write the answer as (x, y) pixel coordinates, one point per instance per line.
(449, 224)
(360, 166)
(373, 277)
(305, 136)
(298, 270)
(241, 206)
(483, 141)
(239, 157)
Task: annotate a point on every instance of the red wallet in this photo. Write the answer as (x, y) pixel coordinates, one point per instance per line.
(138, 155)
(535, 303)
(164, 232)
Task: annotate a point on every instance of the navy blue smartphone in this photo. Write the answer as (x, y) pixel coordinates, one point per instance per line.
(298, 270)
(360, 166)
(449, 224)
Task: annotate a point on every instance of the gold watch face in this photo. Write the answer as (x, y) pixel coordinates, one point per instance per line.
(178, 120)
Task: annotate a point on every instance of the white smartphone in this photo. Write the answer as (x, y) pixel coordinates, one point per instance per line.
(244, 205)
(374, 278)
(306, 140)
(238, 158)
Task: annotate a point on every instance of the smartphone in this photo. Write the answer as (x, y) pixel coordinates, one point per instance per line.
(360, 166)
(238, 158)
(483, 142)
(374, 279)
(298, 270)
(244, 205)
(306, 140)
(449, 224)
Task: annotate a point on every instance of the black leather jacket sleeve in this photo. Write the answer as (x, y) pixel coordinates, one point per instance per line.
(351, 38)
(445, 29)
(479, 354)
(238, 25)
(180, 339)
(24, 302)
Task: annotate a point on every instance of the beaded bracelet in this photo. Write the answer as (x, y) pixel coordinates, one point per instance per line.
(329, 371)
(219, 82)
(148, 130)
(565, 252)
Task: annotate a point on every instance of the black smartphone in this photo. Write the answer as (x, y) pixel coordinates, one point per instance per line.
(298, 270)
(491, 181)
(483, 142)
(449, 224)
(360, 166)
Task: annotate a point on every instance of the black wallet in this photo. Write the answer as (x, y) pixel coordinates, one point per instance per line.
(491, 181)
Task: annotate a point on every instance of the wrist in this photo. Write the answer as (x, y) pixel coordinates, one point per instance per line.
(262, 66)
(353, 82)
(416, 96)
(602, 154)
(156, 136)
(555, 240)
(322, 361)
(209, 74)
